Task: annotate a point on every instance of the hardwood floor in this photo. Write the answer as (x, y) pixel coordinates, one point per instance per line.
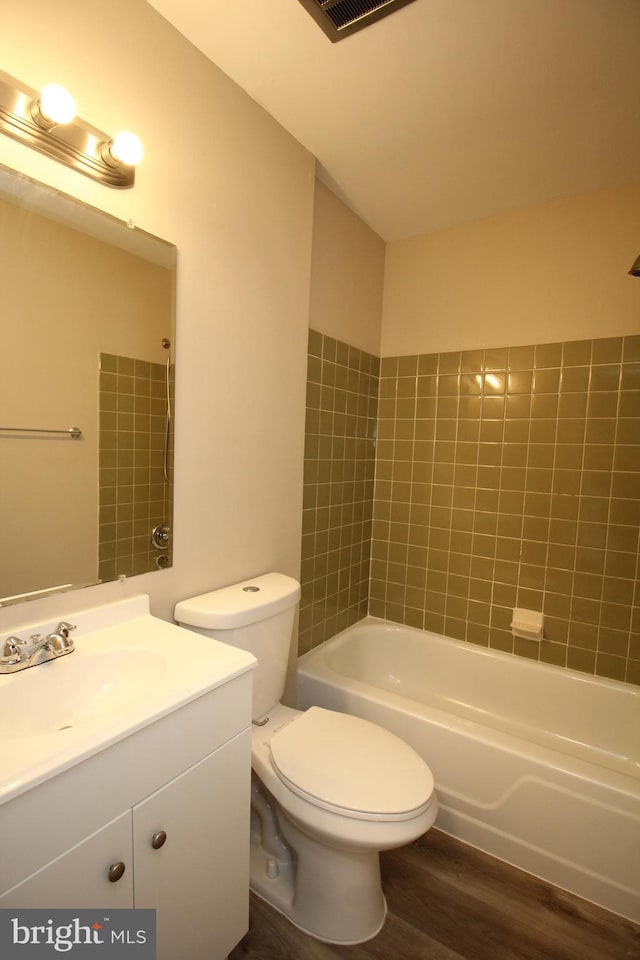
(448, 901)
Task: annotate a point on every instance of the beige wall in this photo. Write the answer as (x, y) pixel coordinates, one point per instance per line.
(234, 192)
(553, 272)
(346, 275)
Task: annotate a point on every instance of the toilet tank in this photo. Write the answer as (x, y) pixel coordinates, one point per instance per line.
(256, 615)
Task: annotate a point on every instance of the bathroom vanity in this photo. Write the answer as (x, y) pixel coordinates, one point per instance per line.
(136, 795)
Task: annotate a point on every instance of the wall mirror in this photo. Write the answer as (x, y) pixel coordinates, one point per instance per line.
(86, 394)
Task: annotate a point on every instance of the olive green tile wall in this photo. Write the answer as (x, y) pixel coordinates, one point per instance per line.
(342, 392)
(511, 477)
(134, 495)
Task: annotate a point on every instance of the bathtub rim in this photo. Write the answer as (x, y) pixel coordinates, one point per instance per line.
(625, 783)
(527, 663)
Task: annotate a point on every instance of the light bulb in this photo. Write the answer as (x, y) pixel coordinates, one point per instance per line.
(126, 148)
(56, 104)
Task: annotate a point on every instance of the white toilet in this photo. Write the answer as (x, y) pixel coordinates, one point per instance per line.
(329, 791)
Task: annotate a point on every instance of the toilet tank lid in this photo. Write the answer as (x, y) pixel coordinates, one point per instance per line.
(240, 604)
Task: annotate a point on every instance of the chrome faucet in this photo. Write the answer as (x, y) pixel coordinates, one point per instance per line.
(18, 654)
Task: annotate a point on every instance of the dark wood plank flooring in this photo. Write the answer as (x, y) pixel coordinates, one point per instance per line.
(448, 901)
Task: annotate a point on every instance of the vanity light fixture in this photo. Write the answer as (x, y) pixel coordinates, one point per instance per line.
(635, 269)
(47, 122)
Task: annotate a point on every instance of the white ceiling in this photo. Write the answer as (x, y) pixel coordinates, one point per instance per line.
(447, 110)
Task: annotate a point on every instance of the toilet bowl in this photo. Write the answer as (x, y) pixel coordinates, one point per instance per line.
(338, 791)
(329, 791)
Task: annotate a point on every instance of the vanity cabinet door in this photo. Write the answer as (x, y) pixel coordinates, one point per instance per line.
(191, 852)
(79, 878)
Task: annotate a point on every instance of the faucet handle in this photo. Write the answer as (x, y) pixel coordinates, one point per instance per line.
(59, 642)
(11, 651)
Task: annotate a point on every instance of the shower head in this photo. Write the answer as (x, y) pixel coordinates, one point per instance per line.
(635, 269)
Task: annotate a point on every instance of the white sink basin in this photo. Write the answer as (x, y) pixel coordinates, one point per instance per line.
(128, 669)
(84, 689)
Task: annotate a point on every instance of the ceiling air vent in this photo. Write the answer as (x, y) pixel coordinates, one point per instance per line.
(340, 18)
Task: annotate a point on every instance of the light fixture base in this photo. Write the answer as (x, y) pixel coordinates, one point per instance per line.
(77, 144)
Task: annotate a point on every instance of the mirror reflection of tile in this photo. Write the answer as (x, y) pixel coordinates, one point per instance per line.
(135, 497)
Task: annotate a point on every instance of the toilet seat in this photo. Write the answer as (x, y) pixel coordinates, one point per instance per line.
(351, 767)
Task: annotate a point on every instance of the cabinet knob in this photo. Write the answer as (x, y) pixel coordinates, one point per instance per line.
(115, 871)
(158, 839)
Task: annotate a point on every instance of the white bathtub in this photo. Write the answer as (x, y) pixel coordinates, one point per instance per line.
(534, 764)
